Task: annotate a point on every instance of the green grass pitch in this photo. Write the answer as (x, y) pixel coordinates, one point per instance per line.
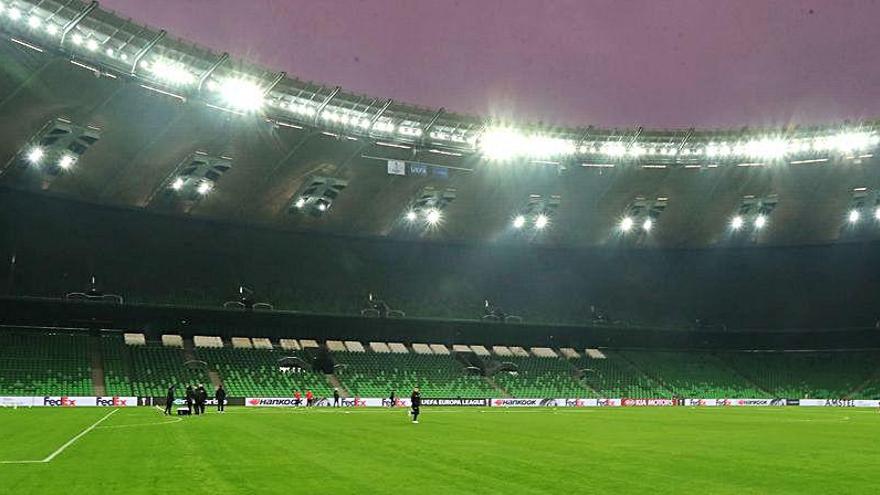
(656, 450)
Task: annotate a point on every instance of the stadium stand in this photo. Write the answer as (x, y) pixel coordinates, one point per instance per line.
(372, 374)
(154, 368)
(540, 377)
(117, 363)
(691, 374)
(48, 364)
(256, 372)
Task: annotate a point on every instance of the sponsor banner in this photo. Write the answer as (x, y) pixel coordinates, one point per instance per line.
(701, 402)
(751, 402)
(524, 402)
(577, 402)
(608, 402)
(160, 401)
(839, 403)
(792, 402)
(363, 402)
(441, 172)
(419, 169)
(647, 402)
(69, 401)
(396, 167)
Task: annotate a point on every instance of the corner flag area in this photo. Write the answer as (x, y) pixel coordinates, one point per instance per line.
(452, 450)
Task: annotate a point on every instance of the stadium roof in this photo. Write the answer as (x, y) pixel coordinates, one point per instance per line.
(157, 100)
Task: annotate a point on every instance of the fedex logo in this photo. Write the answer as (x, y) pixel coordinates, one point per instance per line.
(59, 402)
(111, 401)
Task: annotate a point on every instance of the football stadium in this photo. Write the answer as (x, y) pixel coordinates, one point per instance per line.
(216, 277)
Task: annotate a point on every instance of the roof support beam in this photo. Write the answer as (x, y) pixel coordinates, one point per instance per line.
(217, 63)
(326, 102)
(76, 20)
(143, 53)
(380, 112)
(431, 123)
(278, 78)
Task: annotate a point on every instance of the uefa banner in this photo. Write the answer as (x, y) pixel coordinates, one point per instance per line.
(68, 401)
(362, 402)
(838, 403)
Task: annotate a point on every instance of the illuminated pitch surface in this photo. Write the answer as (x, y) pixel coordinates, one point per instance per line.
(755, 450)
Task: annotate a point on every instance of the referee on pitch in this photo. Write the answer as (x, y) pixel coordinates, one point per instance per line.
(416, 403)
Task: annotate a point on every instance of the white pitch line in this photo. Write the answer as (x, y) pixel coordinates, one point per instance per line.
(74, 439)
(68, 444)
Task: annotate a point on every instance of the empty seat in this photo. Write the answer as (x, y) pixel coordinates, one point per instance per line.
(262, 343)
(335, 345)
(289, 344)
(480, 350)
(135, 339)
(207, 341)
(501, 350)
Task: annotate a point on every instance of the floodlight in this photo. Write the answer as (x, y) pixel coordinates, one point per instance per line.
(52, 29)
(613, 149)
(877, 213)
(853, 216)
(241, 94)
(109, 52)
(411, 216)
(541, 221)
(178, 183)
(300, 202)
(647, 225)
(769, 149)
(14, 13)
(92, 44)
(204, 188)
(626, 224)
(760, 221)
(35, 155)
(322, 206)
(34, 22)
(519, 221)
(77, 39)
(737, 222)
(66, 162)
(433, 216)
(171, 72)
(500, 143)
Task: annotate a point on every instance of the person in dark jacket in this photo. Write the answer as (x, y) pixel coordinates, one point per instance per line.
(392, 400)
(201, 399)
(190, 397)
(169, 400)
(220, 395)
(335, 397)
(416, 403)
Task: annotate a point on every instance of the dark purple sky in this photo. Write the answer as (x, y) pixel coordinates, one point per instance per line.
(661, 63)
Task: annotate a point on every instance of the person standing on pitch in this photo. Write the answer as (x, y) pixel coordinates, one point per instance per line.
(169, 400)
(220, 396)
(297, 398)
(201, 399)
(309, 398)
(335, 397)
(190, 397)
(416, 403)
(392, 400)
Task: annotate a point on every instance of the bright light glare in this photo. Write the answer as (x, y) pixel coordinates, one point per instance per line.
(77, 39)
(877, 213)
(241, 94)
(737, 222)
(34, 22)
(760, 221)
(433, 216)
(541, 222)
(647, 225)
(322, 207)
(411, 216)
(204, 188)
(177, 185)
(519, 221)
(35, 155)
(300, 203)
(503, 143)
(52, 29)
(853, 216)
(626, 224)
(92, 45)
(172, 72)
(769, 149)
(65, 162)
(14, 13)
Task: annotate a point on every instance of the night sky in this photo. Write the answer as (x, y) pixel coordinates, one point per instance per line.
(661, 63)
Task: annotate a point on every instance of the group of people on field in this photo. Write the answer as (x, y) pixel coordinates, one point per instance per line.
(196, 399)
